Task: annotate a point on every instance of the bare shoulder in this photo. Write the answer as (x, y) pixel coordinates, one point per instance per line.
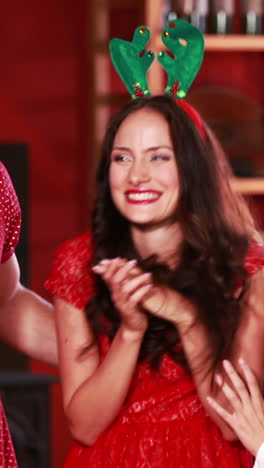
(254, 296)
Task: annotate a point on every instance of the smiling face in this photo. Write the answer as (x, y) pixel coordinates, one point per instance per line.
(143, 176)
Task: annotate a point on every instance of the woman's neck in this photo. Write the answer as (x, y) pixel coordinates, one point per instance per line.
(163, 241)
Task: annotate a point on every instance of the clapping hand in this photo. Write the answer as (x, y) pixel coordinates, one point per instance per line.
(247, 417)
(131, 289)
(128, 287)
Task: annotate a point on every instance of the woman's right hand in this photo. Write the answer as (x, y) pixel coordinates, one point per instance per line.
(128, 287)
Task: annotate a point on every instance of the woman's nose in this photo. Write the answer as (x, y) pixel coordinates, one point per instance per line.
(139, 174)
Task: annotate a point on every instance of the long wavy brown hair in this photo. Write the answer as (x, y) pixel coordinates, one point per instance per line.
(217, 230)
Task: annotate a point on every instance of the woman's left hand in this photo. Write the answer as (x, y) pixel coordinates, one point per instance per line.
(160, 301)
(169, 305)
(247, 416)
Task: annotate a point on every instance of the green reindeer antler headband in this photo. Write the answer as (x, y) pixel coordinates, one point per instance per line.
(132, 60)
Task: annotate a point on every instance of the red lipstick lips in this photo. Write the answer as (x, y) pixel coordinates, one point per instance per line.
(142, 196)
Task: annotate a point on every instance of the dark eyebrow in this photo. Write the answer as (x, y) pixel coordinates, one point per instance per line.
(152, 148)
(155, 148)
(120, 148)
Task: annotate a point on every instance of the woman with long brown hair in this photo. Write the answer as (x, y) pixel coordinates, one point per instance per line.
(168, 283)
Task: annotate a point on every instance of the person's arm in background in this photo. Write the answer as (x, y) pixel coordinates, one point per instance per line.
(26, 319)
(247, 409)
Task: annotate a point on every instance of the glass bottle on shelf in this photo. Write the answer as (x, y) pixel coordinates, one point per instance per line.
(182, 8)
(165, 11)
(252, 16)
(199, 14)
(222, 12)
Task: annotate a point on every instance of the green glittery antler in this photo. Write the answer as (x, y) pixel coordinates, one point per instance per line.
(132, 61)
(186, 42)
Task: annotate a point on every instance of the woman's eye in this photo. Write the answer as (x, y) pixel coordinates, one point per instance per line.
(160, 157)
(120, 158)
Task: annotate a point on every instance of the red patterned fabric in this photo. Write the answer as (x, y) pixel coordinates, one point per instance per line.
(10, 222)
(7, 454)
(10, 216)
(69, 278)
(162, 423)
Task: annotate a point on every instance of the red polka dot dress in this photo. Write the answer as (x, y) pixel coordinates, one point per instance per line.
(10, 216)
(10, 221)
(162, 423)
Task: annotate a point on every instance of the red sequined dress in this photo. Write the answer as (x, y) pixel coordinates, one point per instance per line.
(10, 221)
(162, 423)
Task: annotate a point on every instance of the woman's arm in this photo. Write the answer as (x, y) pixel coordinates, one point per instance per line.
(197, 350)
(94, 391)
(249, 340)
(194, 337)
(26, 320)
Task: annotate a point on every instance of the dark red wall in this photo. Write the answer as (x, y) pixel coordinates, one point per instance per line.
(44, 100)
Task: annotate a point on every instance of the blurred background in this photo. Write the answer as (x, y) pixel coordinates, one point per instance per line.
(57, 92)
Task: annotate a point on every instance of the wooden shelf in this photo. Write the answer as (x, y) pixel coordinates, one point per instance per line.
(234, 42)
(213, 42)
(249, 186)
(218, 43)
(228, 42)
